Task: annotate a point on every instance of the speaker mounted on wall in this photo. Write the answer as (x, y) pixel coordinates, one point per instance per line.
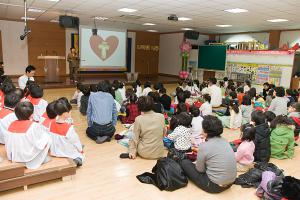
(193, 35)
(68, 21)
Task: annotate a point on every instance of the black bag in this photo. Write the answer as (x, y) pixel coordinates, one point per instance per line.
(166, 175)
(291, 188)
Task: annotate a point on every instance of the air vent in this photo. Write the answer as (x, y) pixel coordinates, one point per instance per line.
(135, 17)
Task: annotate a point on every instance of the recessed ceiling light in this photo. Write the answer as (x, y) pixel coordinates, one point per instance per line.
(128, 10)
(54, 0)
(236, 10)
(187, 29)
(224, 25)
(184, 19)
(100, 18)
(28, 18)
(154, 31)
(36, 10)
(9, 4)
(277, 20)
(54, 21)
(149, 24)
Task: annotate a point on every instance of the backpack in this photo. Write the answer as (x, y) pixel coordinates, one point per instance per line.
(166, 175)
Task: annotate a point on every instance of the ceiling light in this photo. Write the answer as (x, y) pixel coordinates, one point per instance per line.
(277, 20)
(187, 29)
(100, 18)
(127, 10)
(54, 0)
(36, 10)
(54, 21)
(154, 31)
(28, 18)
(184, 19)
(148, 24)
(224, 25)
(9, 4)
(236, 10)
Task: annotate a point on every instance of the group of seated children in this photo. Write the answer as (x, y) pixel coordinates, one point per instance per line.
(31, 129)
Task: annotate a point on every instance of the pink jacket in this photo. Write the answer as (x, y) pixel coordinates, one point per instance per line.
(244, 153)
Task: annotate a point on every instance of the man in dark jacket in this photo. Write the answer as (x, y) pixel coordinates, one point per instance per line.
(262, 151)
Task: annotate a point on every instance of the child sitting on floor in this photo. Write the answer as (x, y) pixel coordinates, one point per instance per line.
(262, 137)
(181, 135)
(197, 136)
(279, 103)
(49, 116)
(84, 99)
(25, 141)
(244, 153)
(246, 109)
(294, 116)
(165, 99)
(77, 95)
(65, 141)
(282, 138)
(234, 121)
(240, 94)
(147, 88)
(132, 110)
(270, 116)
(206, 107)
(7, 115)
(39, 104)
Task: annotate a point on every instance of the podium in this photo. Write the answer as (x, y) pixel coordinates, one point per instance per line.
(51, 68)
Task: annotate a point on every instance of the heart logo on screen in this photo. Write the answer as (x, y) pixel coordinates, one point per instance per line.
(104, 48)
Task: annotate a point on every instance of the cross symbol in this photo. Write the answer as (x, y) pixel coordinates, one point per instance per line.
(104, 47)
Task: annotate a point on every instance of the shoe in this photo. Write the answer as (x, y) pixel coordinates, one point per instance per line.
(124, 155)
(78, 162)
(119, 137)
(102, 139)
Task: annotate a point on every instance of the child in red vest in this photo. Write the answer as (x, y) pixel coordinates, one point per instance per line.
(66, 142)
(131, 110)
(25, 141)
(7, 114)
(39, 104)
(49, 116)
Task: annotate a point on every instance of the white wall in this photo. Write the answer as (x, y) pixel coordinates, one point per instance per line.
(247, 37)
(290, 37)
(169, 53)
(15, 51)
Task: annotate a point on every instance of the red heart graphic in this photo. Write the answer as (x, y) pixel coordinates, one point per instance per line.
(104, 48)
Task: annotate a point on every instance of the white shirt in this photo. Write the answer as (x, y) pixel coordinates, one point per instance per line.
(79, 95)
(235, 119)
(215, 93)
(139, 91)
(246, 88)
(206, 109)
(6, 118)
(196, 131)
(23, 80)
(146, 91)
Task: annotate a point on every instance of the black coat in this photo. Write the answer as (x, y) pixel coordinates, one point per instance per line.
(262, 143)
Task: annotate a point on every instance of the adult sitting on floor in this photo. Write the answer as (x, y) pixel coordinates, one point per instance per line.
(101, 114)
(215, 169)
(148, 132)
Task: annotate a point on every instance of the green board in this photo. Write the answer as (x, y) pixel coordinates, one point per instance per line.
(212, 57)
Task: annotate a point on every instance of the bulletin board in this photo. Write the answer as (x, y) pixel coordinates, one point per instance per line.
(264, 66)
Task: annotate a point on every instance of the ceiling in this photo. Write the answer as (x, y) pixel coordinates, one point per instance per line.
(205, 14)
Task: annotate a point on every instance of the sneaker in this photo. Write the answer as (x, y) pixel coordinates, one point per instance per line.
(102, 139)
(78, 162)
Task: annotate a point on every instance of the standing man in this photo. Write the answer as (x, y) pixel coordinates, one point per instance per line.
(215, 93)
(29, 73)
(73, 64)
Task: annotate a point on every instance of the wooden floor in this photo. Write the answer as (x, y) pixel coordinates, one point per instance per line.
(105, 176)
